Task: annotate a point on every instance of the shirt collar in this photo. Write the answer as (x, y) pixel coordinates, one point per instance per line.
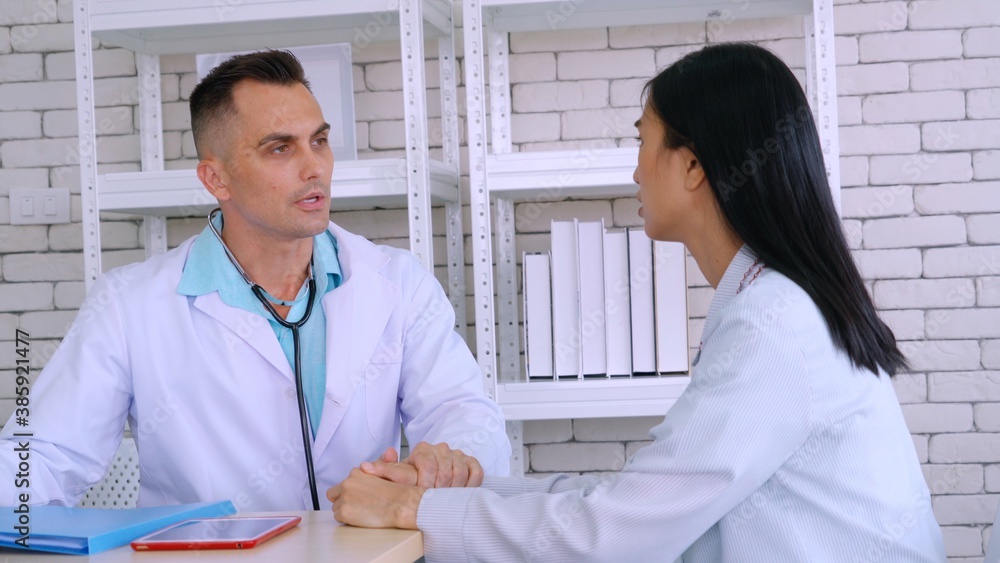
(202, 273)
(730, 281)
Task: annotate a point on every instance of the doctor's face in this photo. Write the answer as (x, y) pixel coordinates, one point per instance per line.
(278, 163)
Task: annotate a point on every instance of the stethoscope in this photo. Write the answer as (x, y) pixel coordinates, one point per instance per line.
(265, 300)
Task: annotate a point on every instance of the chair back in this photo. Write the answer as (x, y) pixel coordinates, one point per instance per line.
(120, 487)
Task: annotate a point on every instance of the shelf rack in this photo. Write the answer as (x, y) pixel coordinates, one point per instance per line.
(152, 28)
(499, 177)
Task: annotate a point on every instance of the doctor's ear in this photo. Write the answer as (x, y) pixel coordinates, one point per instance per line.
(214, 177)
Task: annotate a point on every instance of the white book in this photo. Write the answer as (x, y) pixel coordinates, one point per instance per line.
(537, 315)
(670, 295)
(593, 328)
(617, 311)
(640, 264)
(565, 299)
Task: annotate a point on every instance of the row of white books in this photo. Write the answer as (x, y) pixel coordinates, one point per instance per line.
(604, 303)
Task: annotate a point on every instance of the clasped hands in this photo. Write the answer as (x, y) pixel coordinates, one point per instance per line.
(386, 493)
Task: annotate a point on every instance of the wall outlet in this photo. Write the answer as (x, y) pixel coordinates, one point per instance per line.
(40, 206)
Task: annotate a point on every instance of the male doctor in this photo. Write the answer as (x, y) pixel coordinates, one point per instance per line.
(195, 347)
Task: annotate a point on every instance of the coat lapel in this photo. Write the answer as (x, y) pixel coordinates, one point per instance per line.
(249, 327)
(357, 313)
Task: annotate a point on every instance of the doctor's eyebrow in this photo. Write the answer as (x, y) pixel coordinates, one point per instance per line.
(286, 137)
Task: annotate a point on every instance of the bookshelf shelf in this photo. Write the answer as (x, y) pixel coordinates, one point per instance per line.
(358, 184)
(555, 174)
(595, 398)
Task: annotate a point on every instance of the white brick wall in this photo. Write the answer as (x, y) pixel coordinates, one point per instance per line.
(910, 46)
(982, 104)
(920, 169)
(913, 107)
(955, 14)
(948, 75)
(853, 171)
(876, 202)
(532, 67)
(4, 40)
(957, 198)
(38, 95)
(42, 38)
(955, 479)
(21, 67)
(984, 229)
(988, 290)
(961, 135)
(574, 40)
(849, 110)
(655, 35)
(21, 125)
(558, 96)
(906, 325)
(872, 79)
(628, 63)
(107, 62)
(908, 294)
(919, 101)
(914, 231)
(852, 19)
(962, 261)
(982, 42)
(879, 139)
(881, 264)
(930, 418)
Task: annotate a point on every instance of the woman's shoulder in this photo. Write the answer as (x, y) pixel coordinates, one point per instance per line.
(775, 299)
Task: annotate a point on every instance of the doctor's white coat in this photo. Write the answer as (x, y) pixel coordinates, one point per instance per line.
(210, 396)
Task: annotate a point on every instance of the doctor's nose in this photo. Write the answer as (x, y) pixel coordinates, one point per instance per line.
(635, 175)
(314, 163)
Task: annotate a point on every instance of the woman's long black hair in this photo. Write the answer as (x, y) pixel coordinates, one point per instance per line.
(742, 112)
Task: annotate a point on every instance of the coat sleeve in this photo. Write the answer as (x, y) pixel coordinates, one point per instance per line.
(77, 410)
(510, 486)
(441, 385)
(747, 410)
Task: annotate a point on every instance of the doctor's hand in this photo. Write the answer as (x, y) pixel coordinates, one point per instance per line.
(436, 466)
(390, 468)
(371, 502)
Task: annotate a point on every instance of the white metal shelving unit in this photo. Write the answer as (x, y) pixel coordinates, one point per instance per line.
(499, 177)
(152, 28)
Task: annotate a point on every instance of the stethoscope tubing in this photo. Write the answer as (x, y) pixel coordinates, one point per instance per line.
(258, 292)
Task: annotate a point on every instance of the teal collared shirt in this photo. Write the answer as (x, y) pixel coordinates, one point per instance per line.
(208, 269)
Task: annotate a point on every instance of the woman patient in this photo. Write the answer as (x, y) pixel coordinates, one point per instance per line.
(789, 443)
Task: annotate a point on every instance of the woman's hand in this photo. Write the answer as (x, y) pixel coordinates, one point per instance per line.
(372, 502)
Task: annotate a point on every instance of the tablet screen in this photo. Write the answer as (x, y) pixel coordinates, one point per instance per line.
(226, 529)
(217, 533)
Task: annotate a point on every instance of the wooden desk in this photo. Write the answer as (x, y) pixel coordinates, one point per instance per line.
(317, 538)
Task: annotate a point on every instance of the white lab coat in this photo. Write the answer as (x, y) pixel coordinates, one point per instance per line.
(780, 450)
(210, 396)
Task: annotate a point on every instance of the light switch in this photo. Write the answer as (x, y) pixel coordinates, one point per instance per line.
(27, 207)
(39, 206)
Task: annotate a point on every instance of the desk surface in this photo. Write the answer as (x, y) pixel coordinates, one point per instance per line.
(317, 538)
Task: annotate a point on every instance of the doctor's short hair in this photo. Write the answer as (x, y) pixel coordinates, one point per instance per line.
(211, 101)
